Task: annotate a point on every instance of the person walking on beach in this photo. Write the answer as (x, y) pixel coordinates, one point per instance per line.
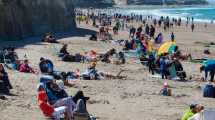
(192, 27)
(172, 37)
(152, 31)
(163, 67)
(151, 63)
(147, 29)
(132, 31)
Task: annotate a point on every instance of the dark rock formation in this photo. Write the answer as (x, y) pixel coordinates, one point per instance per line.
(24, 18)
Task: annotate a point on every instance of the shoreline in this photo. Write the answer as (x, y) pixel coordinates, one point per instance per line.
(158, 11)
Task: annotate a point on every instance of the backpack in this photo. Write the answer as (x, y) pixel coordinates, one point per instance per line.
(209, 91)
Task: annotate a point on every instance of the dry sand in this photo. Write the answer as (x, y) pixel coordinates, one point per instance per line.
(135, 98)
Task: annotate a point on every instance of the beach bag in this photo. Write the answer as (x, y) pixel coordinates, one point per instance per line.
(209, 91)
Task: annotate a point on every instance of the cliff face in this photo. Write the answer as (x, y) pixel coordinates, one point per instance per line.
(24, 18)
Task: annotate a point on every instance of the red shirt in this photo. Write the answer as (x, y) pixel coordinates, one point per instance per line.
(47, 109)
(24, 68)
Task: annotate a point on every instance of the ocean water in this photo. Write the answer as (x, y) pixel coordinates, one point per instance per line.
(199, 13)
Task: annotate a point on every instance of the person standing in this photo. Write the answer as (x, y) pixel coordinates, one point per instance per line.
(172, 37)
(192, 27)
(151, 63)
(147, 29)
(208, 68)
(5, 84)
(163, 67)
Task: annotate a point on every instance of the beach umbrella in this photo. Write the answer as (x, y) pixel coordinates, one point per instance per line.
(167, 47)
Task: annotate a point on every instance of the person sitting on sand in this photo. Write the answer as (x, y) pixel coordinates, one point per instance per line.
(190, 112)
(56, 91)
(11, 54)
(127, 46)
(121, 57)
(46, 65)
(5, 84)
(58, 97)
(49, 38)
(199, 113)
(159, 38)
(63, 50)
(165, 91)
(106, 57)
(24, 67)
(51, 111)
(11, 58)
(91, 73)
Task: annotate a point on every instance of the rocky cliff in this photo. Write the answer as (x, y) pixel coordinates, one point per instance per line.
(24, 18)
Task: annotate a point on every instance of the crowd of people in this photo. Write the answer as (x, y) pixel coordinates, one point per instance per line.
(55, 102)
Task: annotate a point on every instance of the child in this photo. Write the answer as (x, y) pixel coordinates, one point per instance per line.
(165, 91)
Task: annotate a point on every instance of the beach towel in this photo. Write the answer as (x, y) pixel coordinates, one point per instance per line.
(156, 76)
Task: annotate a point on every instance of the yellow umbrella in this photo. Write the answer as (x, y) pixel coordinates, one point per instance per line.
(164, 48)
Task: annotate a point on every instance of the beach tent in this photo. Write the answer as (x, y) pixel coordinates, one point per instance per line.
(167, 47)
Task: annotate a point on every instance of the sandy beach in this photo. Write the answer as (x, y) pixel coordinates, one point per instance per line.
(135, 98)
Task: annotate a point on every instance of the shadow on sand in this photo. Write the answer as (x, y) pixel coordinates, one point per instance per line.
(36, 40)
